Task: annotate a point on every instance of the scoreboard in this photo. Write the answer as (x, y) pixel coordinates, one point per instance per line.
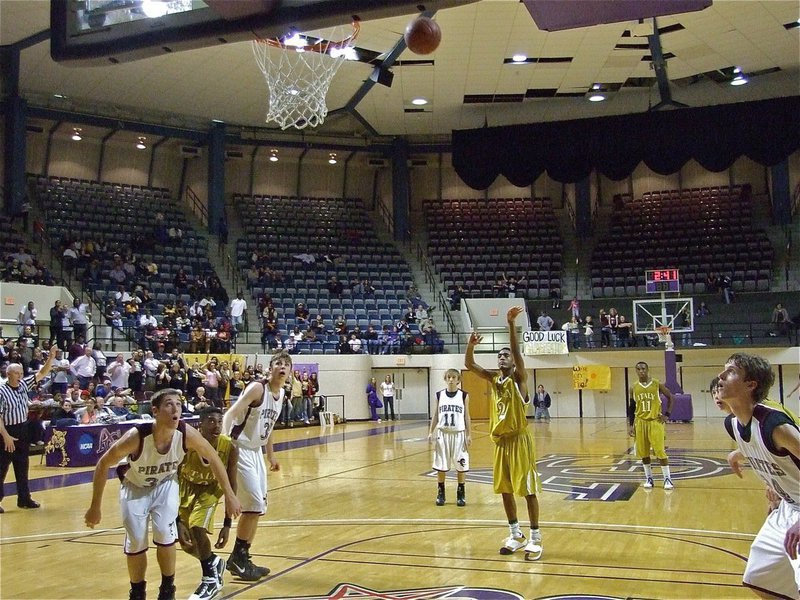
(662, 280)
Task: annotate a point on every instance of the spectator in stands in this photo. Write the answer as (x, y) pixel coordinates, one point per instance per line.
(301, 315)
(224, 337)
(76, 349)
(147, 320)
(414, 297)
(84, 368)
(588, 331)
(544, 321)
(335, 287)
(456, 296)
(512, 285)
(79, 316)
(69, 258)
(725, 284)
(712, 283)
(343, 347)
(499, 288)
(55, 324)
(27, 316)
(355, 343)
(162, 376)
(623, 333)
(684, 320)
(119, 409)
(613, 322)
(212, 382)
(63, 415)
(574, 307)
(340, 326)
(175, 236)
(431, 337)
(572, 328)
(702, 310)
(781, 323)
(117, 274)
(555, 298)
(238, 308)
(420, 314)
(100, 359)
(61, 374)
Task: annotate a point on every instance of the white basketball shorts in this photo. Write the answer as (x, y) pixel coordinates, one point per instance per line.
(451, 451)
(251, 480)
(769, 568)
(139, 506)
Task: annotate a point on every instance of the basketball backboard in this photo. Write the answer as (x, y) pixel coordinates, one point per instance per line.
(103, 31)
(649, 315)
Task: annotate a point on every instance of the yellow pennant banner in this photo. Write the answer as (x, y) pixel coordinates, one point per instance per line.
(591, 377)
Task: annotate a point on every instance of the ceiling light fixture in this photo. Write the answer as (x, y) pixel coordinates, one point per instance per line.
(419, 101)
(519, 59)
(140, 143)
(332, 158)
(739, 80)
(273, 155)
(76, 134)
(596, 98)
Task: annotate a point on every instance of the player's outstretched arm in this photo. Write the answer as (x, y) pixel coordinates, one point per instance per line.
(469, 357)
(195, 441)
(127, 444)
(467, 420)
(520, 374)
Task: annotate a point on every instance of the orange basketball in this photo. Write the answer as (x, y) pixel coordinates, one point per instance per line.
(423, 35)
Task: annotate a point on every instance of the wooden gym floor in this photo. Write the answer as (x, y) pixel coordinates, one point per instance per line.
(352, 515)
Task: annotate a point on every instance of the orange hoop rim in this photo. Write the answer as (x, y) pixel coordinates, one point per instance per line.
(322, 46)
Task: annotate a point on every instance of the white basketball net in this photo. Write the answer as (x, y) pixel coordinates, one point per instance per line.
(298, 78)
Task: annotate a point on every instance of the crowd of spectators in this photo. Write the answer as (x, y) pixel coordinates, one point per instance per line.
(22, 266)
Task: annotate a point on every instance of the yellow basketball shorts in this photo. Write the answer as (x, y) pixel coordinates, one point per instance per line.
(649, 434)
(198, 505)
(515, 465)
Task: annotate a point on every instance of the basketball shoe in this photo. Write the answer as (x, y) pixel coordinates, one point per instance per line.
(440, 497)
(668, 485)
(219, 569)
(208, 589)
(511, 544)
(241, 565)
(648, 483)
(166, 593)
(533, 549)
(461, 499)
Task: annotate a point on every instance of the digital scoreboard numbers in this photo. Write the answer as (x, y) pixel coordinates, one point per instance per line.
(662, 280)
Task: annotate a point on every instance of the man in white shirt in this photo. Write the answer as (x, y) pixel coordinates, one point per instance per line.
(61, 372)
(147, 320)
(238, 306)
(84, 367)
(150, 369)
(119, 371)
(27, 316)
(355, 344)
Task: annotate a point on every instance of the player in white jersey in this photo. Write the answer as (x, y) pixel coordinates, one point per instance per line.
(249, 422)
(149, 489)
(451, 425)
(770, 440)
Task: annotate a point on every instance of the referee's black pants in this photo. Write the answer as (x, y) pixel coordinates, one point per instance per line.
(19, 458)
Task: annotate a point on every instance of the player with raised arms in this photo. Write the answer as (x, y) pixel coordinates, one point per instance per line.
(514, 451)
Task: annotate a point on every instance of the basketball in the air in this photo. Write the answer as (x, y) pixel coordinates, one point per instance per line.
(423, 35)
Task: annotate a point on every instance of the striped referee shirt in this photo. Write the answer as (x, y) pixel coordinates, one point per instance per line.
(14, 402)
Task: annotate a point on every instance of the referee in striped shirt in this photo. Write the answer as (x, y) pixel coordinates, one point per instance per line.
(14, 429)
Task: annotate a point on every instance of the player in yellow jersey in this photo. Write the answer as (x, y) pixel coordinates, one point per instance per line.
(646, 423)
(200, 493)
(514, 449)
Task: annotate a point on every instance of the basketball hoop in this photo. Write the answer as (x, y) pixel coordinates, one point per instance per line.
(664, 335)
(298, 71)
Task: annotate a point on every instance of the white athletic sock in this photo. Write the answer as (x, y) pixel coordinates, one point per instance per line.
(665, 471)
(516, 532)
(648, 470)
(535, 534)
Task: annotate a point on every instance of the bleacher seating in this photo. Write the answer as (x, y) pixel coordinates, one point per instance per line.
(699, 231)
(10, 244)
(473, 242)
(285, 227)
(123, 216)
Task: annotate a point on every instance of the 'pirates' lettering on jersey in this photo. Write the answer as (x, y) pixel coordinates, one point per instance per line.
(148, 466)
(451, 410)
